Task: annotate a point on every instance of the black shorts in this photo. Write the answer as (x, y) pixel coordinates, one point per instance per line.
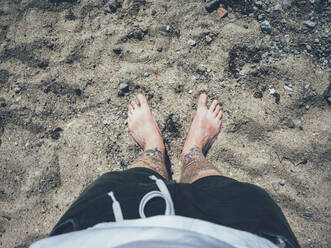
(217, 199)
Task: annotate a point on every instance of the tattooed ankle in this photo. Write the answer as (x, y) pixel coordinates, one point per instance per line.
(194, 155)
(155, 154)
(195, 166)
(152, 159)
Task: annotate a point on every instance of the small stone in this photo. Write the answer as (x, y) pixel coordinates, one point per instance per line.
(191, 42)
(17, 90)
(286, 4)
(308, 214)
(168, 28)
(260, 17)
(275, 185)
(288, 88)
(159, 49)
(289, 123)
(282, 182)
(175, 117)
(190, 91)
(112, 6)
(265, 27)
(180, 63)
(293, 170)
(308, 47)
(307, 107)
(2, 102)
(177, 49)
(125, 71)
(146, 74)
(211, 5)
(309, 24)
(208, 39)
(258, 4)
(272, 91)
(117, 50)
(124, 87)
(246, 26)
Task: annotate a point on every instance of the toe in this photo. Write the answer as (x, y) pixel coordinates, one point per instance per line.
(202, 101)
(219, 116)
(217, 110)
(213, 106)
(134, 105)
(142, 100)
(130, 109)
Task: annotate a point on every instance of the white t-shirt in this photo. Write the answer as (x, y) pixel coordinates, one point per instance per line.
(156, 232)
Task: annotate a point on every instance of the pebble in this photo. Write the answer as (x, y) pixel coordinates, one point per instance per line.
(265, 27)
(175, 117)
(191, 42)
(112, 6)
(180, 63)
(260, 17)
(146, 74)
(124, 87)
(190, 91)
(307, 107)
(288, 88)
(17, 90)
(272, 91)
(308, 214)
(259, 4)
(159, 49)
(211, 5)
(117, 50)
(309, 24)
(293, 170)
(125, 71)
(282, 182)
(286, 4)
(177, 49)
(275, 185)
(208, 39)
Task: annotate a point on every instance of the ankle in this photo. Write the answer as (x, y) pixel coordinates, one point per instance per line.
(193, 153)
(157, 147)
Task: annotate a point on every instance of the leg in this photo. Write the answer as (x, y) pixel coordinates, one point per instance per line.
(147, 134)
(203, 132)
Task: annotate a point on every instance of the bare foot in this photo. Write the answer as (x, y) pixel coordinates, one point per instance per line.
(205, 127)
(142, 125)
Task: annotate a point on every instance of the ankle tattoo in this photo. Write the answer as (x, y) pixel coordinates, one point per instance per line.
(194, 162)
(152, 159)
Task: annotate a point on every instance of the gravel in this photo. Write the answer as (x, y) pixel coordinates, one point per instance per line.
(275, 185)
(208, 39)
(124, 87)
(265, 27)
(211, 5)
(310, 24)
(191, 42)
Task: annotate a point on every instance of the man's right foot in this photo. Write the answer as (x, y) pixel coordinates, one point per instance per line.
(205, 127)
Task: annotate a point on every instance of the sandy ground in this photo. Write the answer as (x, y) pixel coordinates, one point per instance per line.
(62, 112)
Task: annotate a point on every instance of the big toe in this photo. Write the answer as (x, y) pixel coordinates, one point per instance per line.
(202, 101)
(142, 100)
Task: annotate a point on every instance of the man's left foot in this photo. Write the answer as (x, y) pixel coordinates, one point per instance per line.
(143, 126)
